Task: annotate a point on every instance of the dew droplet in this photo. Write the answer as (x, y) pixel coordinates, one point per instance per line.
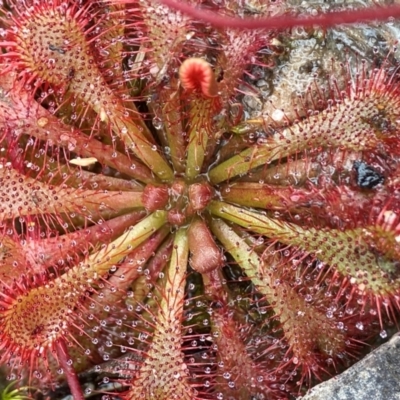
(360, 325)
(157, 123)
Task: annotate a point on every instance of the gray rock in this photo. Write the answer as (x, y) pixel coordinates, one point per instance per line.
(376, 377)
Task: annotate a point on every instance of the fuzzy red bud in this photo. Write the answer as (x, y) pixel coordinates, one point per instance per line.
(155, 197)
(200, 194)
(206, 255)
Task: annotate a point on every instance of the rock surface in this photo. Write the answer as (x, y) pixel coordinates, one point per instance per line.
(375, 377)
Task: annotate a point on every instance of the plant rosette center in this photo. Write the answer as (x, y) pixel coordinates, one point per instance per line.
(180, 199)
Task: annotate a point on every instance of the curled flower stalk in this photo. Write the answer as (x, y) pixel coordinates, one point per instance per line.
(153, 230)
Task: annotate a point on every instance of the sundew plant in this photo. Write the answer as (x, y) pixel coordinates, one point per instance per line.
(156, 234)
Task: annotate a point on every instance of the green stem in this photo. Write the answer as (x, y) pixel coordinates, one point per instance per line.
(344, 250)
(145, 283)
(41, 124)
(171, 112)
(353, 124)
(297, 318)
(176, 275)
(132, 136)
(46, 252)
(164, 372)
(86, 80)
(200, 114)
(100, 261)
(30, 197)
(131, 271)
(252, 194)
(239, 249)
(51, 304)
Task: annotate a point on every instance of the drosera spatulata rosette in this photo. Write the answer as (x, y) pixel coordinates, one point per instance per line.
(141, 226)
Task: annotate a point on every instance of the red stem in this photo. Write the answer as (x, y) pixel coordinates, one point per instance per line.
(285, 21)
(69, 370)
